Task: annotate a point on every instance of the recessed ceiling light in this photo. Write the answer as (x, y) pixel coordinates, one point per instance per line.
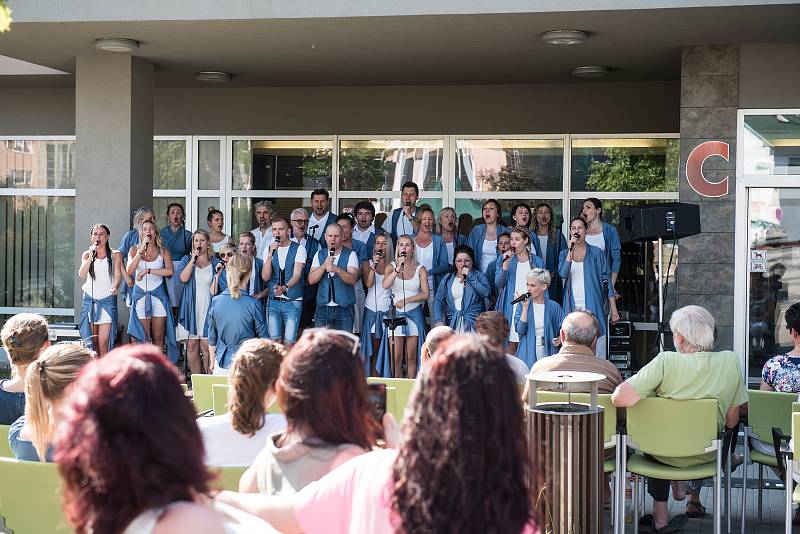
(565, 37)
(591, 71)
(213, 76)
(116, 45)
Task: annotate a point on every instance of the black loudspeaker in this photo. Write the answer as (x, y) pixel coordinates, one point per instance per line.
(649, 222)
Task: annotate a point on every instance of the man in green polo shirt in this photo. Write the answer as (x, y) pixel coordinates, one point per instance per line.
(694, 372)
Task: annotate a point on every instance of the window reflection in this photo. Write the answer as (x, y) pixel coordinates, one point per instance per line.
(282, 165)
(614, 165)
(169, 164)
(37, 164)
(771, 144)
(384, 165)
(509, 164)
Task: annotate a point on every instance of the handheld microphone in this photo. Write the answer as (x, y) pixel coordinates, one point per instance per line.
(403, 262)
(196, 255)
(219, 267)
(331, 253)
(313, 229)
(520, 298)
(379, 253)
(572, 245)
(94, 252)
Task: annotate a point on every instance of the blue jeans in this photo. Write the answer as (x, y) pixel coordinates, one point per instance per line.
(336, 317)
(284, 319)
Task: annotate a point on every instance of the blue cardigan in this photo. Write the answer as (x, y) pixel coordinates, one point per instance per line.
(554, 248)
(473, 303)
(135, 328)
(476, 238)
(90, 313)
(383, 361)
(595, 271)
(505, 281)
(613, 247)
(553, 316)
(186, 313)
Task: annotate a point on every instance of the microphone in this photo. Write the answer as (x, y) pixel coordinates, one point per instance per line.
(331, 253)
(572, 245)
(524, 296)
(196, 255)
(313, 229)
(94, 252)
(219, 267)
(403, 262)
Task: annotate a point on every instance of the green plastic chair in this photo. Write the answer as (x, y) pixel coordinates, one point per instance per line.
(227, 478)
(219, 397)
(30, 499)
(201, 388)
(5, 450)
(673, 429)
(795, 407)
(403, 388)
(766, 410)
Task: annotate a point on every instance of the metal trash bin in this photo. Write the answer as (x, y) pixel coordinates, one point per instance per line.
(565, 441)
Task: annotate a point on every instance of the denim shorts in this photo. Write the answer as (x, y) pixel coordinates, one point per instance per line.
(284, 319)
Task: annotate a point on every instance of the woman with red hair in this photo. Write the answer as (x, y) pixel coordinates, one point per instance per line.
(130, 454)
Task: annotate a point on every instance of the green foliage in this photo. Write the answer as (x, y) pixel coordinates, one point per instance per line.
(169, 164)
(364, 169)
(649, 169)
(5, 16)
(510, 179)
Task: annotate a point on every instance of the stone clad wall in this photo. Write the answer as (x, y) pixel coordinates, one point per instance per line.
(709, 102)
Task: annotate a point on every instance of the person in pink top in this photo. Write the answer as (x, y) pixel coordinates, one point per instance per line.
(461, 465)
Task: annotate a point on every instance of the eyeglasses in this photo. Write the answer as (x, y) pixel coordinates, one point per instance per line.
(331, 332)
(226, 255)
(300, 221)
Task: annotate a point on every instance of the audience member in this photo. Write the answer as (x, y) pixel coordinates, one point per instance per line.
(421, 486)
(537, 319)
(693, 372)
(130, 454)
(494, 326)
(46, 383)
(24, 337)
(434, 340)
(321, 391)
(235, 438)
(782, 373)
(461, 294)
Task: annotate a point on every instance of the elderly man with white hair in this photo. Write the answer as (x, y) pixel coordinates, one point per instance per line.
(693, 372)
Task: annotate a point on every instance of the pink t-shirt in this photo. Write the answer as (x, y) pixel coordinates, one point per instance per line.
(354, 498)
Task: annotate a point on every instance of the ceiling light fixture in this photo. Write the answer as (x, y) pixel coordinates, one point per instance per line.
(591, 71)
(565, 37)
(116, 45)
(213, 76)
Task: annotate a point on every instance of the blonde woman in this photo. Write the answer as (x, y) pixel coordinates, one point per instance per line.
(220, 282)
(151, 318)
(237, 437)
(196, 273)
(408, 281)
(449, 232)
(46, 384)
(234, 315)
(101, 267)
(24, 336)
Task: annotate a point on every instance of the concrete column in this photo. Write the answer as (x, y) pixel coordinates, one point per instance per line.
(709, 100)
(114, 131)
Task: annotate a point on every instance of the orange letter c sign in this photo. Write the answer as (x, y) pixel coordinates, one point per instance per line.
(694, 169)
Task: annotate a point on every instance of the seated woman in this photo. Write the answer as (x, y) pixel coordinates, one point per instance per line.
(235, 438)
(46, 384)
(538, 320)
(782, 373)
(461, 295)
(321, 391)
(24, 337)
(130, 454)
(421, 487)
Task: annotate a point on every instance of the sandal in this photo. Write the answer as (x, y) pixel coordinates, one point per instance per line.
(675, 524)
(695, 510)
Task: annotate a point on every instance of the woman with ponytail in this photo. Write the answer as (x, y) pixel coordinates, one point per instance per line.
(101, 267)
(24, 337)
(46, 383)
(234, 315)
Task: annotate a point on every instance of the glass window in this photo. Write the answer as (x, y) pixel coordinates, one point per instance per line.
(509, 164)
(208, 163)
(282, 165)
(36, 269)
(160, 208)
(37, 164)
(204, 204)
(384, 165)
(169, 164)
(617, 164)
(473, 208)
(771, 144)
(384, 206)
(243, 210)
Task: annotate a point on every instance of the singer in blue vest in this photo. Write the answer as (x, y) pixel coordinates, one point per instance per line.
(548, 242)
(602, 235)
(283, 270)
(585, 272)
(320, 216)
(510, 278)
(196, 273)
(101, 267)
(128, 241)
(299, 220)
(365, 230)
(461, 295)
(178, 240)
(537, 319)
(483, 237)
(234, 316)
(335, 269)
(401, 220)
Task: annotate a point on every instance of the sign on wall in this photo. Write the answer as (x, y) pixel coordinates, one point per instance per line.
(694, 168)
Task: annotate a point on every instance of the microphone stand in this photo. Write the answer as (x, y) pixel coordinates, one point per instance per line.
(390, 324)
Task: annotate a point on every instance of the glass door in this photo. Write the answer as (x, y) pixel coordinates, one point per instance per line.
(773, 272)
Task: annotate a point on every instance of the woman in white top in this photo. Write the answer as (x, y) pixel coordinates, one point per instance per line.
(408, 281)
(234, 439)
(449, 232)
(101, 267)
(216, 222)
(377, 301)
(548, 244)
(602, 235)
(196, 274)
(151, 321)
(430, 252)
(483, 237)
(537, 320)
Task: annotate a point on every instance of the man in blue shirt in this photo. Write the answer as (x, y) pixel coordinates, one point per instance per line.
(335, 269)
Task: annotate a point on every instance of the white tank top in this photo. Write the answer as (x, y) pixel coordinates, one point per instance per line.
(576, 283)
(100, 287)
(406, 288)
(382, 295)
(150, 281)
(596, 240)
(457, 290)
